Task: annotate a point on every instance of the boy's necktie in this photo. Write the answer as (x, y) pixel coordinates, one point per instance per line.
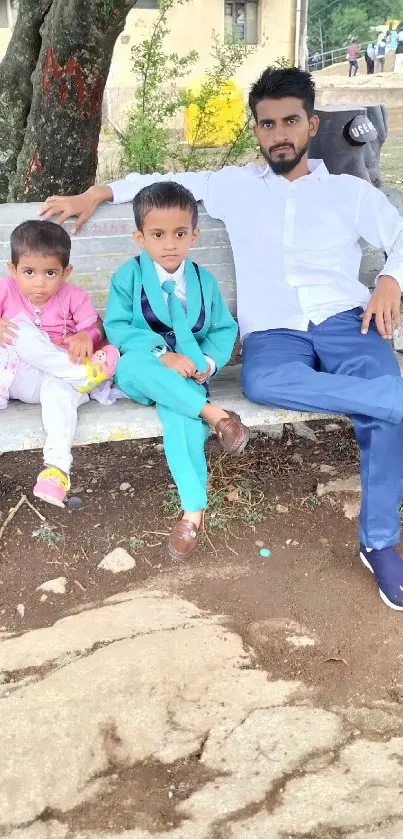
(185, 340)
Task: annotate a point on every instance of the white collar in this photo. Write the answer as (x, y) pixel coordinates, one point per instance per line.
(317, 170)
(165, 275)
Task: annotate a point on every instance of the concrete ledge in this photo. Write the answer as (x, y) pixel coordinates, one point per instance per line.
(21, 426)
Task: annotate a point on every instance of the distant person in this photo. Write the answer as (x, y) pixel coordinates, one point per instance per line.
(370, 59)
(353, 55)
(316, 61)
(399, 53)
(380, 54)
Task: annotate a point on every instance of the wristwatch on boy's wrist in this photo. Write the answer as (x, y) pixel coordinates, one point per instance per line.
(159, 351)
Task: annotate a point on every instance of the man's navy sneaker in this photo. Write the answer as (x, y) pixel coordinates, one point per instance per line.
(387, 568)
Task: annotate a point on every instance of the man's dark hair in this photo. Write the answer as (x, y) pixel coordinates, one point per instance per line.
(163, 196)
(44, 237)
(279, 82)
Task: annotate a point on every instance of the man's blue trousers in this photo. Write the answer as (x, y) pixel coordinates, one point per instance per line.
(332, 368)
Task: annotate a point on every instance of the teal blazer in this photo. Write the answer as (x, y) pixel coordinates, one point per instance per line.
(127, 328)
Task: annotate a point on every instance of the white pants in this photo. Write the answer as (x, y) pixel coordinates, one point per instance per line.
(399, 63)
(46, 375)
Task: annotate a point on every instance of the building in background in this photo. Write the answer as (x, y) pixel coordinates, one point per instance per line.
(269, 25)
(272, 26)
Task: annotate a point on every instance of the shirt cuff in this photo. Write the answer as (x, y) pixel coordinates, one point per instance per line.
(123, 190)
(212, 364)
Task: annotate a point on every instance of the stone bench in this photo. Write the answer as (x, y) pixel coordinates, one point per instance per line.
(103, 244)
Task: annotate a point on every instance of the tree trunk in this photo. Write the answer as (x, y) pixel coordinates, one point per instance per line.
(16, 70)
(60, 149)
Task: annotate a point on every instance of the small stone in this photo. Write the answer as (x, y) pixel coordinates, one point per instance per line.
(351, 484)
(43, 598)
(301, 429)
(124, 487)
(56, 586)
(327, 470)
(259, 543)
(117, 561)
(275, 432)
(281, 509)
(297, 458)
(300, 641)
(20, 610)
(351, 508)
(332, 426)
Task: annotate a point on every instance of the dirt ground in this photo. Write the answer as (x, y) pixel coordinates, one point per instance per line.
(267, 499)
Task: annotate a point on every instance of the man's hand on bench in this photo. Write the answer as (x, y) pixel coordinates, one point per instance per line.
(385, 305)
(81, 206)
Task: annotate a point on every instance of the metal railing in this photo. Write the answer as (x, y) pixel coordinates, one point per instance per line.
(318, 61)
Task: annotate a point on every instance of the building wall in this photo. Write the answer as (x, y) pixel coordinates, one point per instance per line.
(191, 28)
(4, 32)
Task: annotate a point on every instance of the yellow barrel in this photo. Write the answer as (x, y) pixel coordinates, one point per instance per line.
(224, 116)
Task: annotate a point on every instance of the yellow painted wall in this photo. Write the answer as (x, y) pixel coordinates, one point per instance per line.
(5, 34)
(191, 28)
(4, 39)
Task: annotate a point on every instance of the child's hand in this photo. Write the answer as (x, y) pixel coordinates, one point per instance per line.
(80, 346)
(200, 378)
(181, 363)
(8, 331)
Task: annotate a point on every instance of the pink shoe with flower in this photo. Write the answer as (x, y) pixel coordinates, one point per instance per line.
(52, 486)
(100, 367)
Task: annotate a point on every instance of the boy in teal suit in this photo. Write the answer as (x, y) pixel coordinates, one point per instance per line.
(166, 316)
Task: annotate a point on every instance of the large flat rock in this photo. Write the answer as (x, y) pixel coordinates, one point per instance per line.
(98, 705)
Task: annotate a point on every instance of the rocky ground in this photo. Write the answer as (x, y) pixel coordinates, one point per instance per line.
(237, 695)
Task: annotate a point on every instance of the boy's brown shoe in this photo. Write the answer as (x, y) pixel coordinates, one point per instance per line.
(232, 434)
(182, 542)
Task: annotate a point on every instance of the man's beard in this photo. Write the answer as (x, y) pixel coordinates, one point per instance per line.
(283, 167)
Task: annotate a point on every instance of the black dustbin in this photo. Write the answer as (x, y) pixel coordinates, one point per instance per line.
(350, 138)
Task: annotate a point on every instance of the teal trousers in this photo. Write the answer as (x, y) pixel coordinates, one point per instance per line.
(178, 401)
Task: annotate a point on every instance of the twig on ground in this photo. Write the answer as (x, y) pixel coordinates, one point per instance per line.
(11, 514)
(40, 516)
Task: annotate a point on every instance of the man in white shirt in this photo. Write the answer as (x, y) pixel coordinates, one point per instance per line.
(313, 336)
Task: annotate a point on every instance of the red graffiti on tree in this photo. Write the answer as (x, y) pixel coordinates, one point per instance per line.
(63, 75)
(34, 166)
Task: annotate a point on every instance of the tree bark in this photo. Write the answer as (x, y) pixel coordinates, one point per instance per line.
(16, 70)
(60, 149)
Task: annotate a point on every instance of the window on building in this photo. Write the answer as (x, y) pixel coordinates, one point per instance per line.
(4, 22)
(241, 21)
(146, 4)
